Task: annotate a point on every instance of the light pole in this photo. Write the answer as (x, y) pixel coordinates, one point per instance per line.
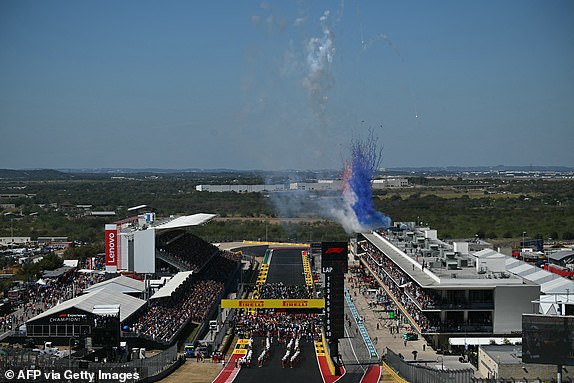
(523, 243)
(71, 340)
(441, 360)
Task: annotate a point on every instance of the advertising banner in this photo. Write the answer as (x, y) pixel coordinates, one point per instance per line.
(112, 241)
(273, 303)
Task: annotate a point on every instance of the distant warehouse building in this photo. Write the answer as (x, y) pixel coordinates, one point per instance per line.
(11, 241)
(240, 188)
(390, 183)
(319, 186)
(322, 185)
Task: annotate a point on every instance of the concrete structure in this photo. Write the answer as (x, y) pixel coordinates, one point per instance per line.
(446, 294)
(505, 362)
(135, 247)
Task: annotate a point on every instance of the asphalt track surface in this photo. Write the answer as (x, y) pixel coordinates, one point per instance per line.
(272, 372)
(286, 266)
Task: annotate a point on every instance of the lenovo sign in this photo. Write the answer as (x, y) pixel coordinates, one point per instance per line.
(112, 241)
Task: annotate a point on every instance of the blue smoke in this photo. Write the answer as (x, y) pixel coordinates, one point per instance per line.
(358, 177)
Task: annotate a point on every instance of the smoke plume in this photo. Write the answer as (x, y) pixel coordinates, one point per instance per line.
(357, 212)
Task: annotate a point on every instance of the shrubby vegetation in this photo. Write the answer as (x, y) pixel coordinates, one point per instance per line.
(456, 207)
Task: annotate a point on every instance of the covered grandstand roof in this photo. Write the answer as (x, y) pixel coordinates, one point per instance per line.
(128, 304)
(172, 285)
(56, 272)
(187, 220)
(121, 284)
(550, 283)
(561, 256)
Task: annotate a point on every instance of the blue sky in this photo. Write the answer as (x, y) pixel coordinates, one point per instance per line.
(285, 84)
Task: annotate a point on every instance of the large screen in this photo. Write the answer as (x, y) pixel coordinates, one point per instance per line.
(334, 266)
(548, 339)
(334, 257)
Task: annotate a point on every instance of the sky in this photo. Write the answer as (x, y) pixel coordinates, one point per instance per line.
(277, 85)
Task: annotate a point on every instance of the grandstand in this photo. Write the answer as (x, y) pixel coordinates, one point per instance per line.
(445, 294)
(191, 277)
(145, 246)
(194, 275)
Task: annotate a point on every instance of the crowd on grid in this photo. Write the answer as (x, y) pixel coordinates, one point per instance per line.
(286, 329)
(279, 324)
(188, 250)
(280, 290)
(402, 287)
(164, 317)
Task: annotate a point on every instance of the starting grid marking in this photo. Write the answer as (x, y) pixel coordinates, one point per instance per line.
(241, 347)
(361, 326)
(319, 348)
(307, 269)
(262, 277)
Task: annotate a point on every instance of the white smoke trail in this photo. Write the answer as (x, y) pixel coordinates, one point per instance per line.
(320, 55)
(343, 214)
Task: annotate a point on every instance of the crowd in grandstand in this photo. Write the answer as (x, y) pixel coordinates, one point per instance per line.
(402, 287)
(186, 249)
(164, 317)
(192, 300)
(414, 298)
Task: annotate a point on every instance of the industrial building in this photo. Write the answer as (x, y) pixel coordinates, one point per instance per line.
(319, 186)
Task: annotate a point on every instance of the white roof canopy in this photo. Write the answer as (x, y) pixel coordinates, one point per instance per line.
(187, 220)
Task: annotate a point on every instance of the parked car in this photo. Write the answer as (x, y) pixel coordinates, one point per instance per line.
(410, 336)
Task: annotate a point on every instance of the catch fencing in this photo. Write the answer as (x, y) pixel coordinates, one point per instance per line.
(414, 373)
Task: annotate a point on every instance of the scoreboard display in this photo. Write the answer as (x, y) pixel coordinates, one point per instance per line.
(334, 307)
(334, 266)
(334, 257)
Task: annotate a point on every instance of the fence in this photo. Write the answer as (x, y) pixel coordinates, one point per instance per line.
(147, 368)
(414, 373)
(565, 379)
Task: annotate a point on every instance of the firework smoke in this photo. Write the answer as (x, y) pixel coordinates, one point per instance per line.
(320, 54)
(358, 213)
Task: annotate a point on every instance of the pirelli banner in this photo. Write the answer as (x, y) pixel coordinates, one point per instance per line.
(272, 303)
